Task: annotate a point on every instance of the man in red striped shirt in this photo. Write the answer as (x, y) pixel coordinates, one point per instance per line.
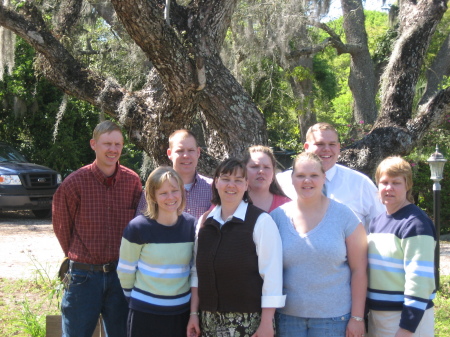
(91, 208)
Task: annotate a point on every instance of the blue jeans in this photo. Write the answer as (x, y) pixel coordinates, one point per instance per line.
(89, 294)
(292, 326)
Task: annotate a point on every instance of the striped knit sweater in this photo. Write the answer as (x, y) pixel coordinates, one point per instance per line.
(401, 264)
(154, 264)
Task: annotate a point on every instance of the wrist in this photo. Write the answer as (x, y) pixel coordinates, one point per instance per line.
(193, 313)
(357, 318)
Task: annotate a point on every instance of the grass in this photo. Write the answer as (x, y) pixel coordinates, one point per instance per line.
(25, 303)
(442, 308)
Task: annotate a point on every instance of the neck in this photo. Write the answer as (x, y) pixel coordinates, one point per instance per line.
(228, 210)
(393, 209)
(167, 219)
(261, 198)
(311, 204)
(108, 171)
(187, 178)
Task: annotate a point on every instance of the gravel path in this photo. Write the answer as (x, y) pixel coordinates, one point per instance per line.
(28, 244)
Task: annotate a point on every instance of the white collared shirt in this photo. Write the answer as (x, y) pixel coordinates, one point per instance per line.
(269, 250)
(347, 186)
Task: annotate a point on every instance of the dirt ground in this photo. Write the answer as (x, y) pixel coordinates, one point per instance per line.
(28, 244)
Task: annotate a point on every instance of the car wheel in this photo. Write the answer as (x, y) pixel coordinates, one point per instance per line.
(41, 213)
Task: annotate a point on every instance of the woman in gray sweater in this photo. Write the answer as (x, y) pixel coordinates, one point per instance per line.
(324, 260)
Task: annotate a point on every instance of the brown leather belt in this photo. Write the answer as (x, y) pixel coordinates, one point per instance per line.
(106, 268)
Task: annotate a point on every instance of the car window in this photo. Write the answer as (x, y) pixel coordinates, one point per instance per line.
(8, 154)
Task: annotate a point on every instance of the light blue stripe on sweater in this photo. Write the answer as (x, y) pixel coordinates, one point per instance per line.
(165, 302)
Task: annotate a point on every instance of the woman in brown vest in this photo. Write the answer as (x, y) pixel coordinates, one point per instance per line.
(237, 280)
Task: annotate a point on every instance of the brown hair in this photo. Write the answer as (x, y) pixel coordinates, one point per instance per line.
(105, 127)
(320, 127)
(186, 133)
(158, 176)
(394, 167)
(307, 156)
(274, 187)
(228, 166)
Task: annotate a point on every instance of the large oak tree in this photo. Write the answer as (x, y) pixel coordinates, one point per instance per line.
(187, 78)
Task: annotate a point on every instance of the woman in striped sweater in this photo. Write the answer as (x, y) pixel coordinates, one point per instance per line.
(155, 260)
(401, 259)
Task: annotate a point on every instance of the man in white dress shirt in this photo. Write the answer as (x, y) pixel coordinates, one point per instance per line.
(343, 184)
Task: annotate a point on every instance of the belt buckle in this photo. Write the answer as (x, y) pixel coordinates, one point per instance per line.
(106, 268)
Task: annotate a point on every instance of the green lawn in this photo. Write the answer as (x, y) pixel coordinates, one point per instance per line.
(25, 303)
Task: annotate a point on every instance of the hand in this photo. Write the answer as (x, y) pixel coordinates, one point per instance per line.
(264, 330)
(355, 328)
(193, 327)
(403, 333)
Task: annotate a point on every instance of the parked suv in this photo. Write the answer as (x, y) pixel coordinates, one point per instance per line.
(24, 185)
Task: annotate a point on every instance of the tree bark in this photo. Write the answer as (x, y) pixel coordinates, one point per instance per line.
(189, 79)
(439, 68)
(362, 73)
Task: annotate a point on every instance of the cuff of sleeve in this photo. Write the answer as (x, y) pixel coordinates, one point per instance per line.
(273, 301)
(194, 282)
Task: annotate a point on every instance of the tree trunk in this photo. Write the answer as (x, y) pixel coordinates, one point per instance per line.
(362, 73)
(437, 71)
(189, 79)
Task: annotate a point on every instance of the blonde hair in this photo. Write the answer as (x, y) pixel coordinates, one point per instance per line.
(307, 156)
(154, 182)
(320, 127)
(394, 167)
(105, 127)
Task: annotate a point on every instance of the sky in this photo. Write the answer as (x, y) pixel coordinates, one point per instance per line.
(335, 7)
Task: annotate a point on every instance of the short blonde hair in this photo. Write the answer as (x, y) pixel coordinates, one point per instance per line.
(158, 176)
(320, 127)
(394, 167)
(105, 127)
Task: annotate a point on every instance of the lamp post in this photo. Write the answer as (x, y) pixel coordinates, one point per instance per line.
(437, 162)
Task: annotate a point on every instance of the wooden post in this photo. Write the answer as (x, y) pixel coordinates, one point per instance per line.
(53, 327)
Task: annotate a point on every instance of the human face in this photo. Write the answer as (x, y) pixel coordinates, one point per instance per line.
(184, 155)
(108, 148)
(308, 179)
(392, 191)
(231, 187)
(168, 197)
(325, 144)
(259, 171)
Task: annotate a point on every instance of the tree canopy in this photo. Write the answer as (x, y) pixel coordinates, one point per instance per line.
(157, 70)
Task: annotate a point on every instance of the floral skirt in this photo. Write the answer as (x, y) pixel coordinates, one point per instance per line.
(229, 324)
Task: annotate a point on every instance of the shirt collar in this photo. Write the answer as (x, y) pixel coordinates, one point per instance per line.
(238, 214)
(100, 176)
(331, 172)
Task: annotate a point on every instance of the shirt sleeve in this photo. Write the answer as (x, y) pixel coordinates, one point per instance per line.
(64, 206)
(372, 204)
(128, 261)
(419, 278)
(270, 261)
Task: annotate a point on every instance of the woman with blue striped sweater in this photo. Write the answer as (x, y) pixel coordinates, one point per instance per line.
(401, 259)
(155, 260)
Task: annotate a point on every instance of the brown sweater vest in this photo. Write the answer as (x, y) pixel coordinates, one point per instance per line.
(227, 265)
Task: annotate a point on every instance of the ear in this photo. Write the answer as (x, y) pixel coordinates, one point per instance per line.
(198, 152)
(92, 142)
(306, 145)
(169, 153)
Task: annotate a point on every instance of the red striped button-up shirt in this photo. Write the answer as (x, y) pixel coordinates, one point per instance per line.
(90, 213)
